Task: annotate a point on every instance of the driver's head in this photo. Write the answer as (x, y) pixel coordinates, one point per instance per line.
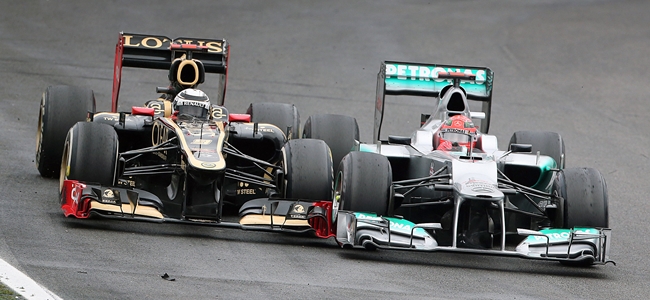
(192, 102)
(458, 130)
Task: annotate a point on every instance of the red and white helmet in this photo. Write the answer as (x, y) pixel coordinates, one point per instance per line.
(458, 130)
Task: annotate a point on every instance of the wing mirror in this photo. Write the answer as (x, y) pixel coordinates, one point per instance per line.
(521, 148)
(477, 115)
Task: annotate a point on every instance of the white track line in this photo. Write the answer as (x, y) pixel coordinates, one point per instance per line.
(22, 284)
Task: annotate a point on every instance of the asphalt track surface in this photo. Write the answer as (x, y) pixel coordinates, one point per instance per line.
(576, 67)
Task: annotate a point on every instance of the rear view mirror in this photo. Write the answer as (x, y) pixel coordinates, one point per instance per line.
(521, 147)
(477, 115)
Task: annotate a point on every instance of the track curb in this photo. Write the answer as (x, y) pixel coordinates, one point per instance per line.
(23, 284)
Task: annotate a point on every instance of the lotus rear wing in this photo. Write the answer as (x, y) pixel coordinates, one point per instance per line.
(421, 79)
(155, 52)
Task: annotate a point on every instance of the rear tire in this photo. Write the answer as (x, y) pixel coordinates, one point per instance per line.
(308, 170)
(547, 143)
(338, 131)
(90, 154)
(61, 107)
(364, 184)
(284, 116)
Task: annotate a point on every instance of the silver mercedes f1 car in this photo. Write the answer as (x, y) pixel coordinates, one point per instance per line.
(410, 193)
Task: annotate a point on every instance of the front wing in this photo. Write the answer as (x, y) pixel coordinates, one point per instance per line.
(82, 200)
(577, 245)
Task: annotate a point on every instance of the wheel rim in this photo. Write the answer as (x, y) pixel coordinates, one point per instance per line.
(337, 200)
(39, 131)
(64, 171)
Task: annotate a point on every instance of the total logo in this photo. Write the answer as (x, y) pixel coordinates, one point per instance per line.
(427, 73)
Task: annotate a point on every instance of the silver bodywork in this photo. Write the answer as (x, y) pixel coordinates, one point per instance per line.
(473, 175)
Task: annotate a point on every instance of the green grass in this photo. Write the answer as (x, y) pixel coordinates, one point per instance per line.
(6, 293)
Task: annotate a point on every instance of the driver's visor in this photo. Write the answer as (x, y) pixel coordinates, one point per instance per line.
(195, 111)
(453, 137)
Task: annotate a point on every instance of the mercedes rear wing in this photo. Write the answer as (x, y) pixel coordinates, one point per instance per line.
(421, 79)
(155, 52)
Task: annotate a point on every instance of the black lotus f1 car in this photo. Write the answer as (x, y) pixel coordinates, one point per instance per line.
(153, 164)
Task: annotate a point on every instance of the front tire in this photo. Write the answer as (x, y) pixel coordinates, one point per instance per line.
(584, 192)
(308, 170)
(61, 107)
(364, 184)
(90, 154)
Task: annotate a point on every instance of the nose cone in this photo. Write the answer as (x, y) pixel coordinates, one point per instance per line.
(474, 188)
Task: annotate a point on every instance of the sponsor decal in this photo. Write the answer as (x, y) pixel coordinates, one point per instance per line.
(208, 164)
(158, 108)
(159, 134)
(298, 212)
(559, 235)
(454, 130)
(160, 42)
(480, 186)
(396, 225)
(219, 113)
(202, 104)
(200, 132)
(201, 142)
(126, 182)
(427, 73)
(110, 196)
(298, 209)
(245, 191)
(75, 193)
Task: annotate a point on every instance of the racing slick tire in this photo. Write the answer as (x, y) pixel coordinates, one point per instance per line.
(583, 202)
(547, 143)
(61, 107)
(338, 131)
(308, 170)
(364, 184)
(284, 116)
(584, 195)
(90, 154)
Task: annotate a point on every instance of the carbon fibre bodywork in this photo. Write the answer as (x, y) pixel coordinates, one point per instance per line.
(171, 167)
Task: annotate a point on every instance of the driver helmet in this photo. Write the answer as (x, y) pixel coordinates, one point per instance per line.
(192, 102)
(456, 131)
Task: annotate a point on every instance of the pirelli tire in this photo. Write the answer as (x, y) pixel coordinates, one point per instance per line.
(284, 116)
(583, 202)
(90, 154)
(340, 132)
(308, 170)
(584, 198)
(61, 107)
(547, 143)
(363, 183)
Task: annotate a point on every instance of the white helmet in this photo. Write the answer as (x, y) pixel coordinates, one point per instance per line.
(192, 102)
